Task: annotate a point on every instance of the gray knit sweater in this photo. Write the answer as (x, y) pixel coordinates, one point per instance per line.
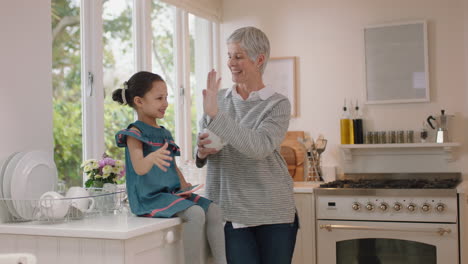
(249, 178)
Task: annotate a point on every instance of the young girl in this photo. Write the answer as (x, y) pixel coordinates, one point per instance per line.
(153, 176)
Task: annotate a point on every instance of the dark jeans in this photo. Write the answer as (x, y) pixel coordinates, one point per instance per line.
(265, 244)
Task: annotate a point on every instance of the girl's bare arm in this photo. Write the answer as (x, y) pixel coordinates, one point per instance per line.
(142, 164)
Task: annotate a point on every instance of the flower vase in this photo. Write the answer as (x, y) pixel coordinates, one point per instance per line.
(109, 187)
(108, 198)
(98, 184)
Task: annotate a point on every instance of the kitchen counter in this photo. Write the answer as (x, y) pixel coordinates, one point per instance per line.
(104, 239)
(305, 187)
(125, 239)
(463, 187)
(304, 251)
(121, 226)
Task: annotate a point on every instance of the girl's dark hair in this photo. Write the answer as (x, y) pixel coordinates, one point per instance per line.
(138, 85)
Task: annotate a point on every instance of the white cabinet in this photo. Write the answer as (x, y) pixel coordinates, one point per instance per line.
(158, 247)
(111, 239)
(162, 246)
(304, 252)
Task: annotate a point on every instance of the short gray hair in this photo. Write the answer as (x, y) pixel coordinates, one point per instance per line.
(253, 41)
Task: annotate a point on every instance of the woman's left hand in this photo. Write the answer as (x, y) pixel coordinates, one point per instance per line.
(203, 152)
(210, 94)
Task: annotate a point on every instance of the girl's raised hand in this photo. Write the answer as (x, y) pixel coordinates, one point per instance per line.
(161, 156)
(210, 94)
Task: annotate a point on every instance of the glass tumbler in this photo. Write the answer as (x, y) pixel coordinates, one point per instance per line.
(383, 137)
(375, 137)
(392, 138)
(400, 137)
(410, 136)
(369, 138)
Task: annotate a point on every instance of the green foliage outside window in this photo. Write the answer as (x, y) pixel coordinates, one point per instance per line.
(66, 83)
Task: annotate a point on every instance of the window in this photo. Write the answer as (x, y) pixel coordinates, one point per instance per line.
(118, 66)
(97, 46)
(162, 51)
(200, 64)
(66, 84)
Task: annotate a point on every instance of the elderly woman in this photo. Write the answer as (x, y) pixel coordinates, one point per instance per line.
(248, 178)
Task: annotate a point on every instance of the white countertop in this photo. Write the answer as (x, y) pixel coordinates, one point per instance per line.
(305, 187)
(463, 187)
(121, 226)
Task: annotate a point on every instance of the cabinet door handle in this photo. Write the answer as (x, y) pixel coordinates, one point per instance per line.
(170, 237)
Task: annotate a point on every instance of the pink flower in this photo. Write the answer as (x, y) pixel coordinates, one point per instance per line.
(106, 161)
(122, 174)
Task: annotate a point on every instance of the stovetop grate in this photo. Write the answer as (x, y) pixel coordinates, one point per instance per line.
(393, 184)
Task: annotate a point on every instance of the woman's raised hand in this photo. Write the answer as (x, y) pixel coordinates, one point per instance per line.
(210, 94)
(161, 156)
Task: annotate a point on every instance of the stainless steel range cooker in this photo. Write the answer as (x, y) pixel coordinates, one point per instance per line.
(388, 218)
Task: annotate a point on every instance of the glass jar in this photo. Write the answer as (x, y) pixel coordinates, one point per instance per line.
(410, 136)
(400, 138)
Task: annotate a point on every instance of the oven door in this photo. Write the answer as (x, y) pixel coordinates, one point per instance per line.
(353, 242)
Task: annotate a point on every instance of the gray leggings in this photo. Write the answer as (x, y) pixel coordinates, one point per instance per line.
(194, 225)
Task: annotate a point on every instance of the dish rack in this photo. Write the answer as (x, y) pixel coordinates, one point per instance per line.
(64, 209)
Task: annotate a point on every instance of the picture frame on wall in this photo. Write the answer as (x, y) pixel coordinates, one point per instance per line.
(396, 63)
(280, 74)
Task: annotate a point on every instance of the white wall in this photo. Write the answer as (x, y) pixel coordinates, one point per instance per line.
(325, 35)
(327, 38)
(465, 72)
(25, 76)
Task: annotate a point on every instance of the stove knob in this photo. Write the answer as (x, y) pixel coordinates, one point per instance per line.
(383, 206)
(411, 207)
(397, 207)
(356, 206)
(370, 206)
(425, 207)
(440, 208)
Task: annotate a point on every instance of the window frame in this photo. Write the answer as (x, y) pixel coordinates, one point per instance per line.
(92, 88)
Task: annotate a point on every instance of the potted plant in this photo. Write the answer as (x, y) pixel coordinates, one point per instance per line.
(106, 170)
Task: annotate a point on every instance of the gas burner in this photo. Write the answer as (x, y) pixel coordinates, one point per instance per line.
(393, 184)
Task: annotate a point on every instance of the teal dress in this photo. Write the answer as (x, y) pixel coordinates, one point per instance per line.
(151, 195)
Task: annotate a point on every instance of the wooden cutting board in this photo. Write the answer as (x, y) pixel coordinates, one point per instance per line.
(294, 154)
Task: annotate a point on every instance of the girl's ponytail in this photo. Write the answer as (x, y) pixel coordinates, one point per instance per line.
(120, 95)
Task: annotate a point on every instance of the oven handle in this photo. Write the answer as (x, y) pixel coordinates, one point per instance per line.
(440, 231)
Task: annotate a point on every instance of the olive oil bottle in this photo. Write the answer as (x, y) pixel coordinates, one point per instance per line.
(346, 127)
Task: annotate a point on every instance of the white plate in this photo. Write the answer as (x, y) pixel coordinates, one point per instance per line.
(35, 173)
(8, 175)
(4, 211)
(3, 167)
